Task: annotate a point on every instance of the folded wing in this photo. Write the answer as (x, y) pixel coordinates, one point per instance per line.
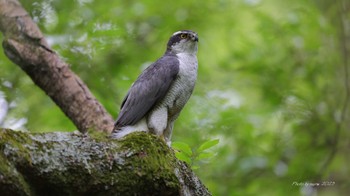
(148, 90)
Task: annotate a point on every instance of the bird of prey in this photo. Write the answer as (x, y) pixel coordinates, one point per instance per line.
(157, 97)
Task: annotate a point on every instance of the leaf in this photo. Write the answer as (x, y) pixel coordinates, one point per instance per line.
(183, 157)
(195, 167)
(183, 147)
(205, 155)
(206, 145)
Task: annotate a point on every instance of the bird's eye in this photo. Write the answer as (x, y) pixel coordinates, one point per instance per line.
(183, 36)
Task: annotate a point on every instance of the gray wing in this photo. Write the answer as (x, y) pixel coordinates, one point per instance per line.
(149, 88)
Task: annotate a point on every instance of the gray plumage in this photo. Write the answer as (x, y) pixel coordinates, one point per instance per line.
(157, 97)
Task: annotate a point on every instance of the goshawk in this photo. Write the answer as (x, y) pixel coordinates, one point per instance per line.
(157, 97)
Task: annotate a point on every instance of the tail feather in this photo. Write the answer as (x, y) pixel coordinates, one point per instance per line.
(121, 131)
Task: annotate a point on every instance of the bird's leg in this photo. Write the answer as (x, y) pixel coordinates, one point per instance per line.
(168, 142)
(168, 133)
(157, 121)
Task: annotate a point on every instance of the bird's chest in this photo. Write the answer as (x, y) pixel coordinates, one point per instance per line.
(181, 89)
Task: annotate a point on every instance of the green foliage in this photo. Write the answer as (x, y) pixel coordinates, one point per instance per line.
(194, 157)
(271, 83)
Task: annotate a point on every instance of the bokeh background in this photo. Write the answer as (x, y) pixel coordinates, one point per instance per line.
(273, 83)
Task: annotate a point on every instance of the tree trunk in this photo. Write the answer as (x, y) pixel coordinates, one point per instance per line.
(25, 45)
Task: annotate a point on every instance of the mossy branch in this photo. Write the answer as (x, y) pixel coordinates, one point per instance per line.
(64, 163)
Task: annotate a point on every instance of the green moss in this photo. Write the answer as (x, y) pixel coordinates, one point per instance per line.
(150, 159)
(12, 182)
(15, 141)
(99, 136)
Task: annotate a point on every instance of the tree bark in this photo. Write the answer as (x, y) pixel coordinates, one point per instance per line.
(25, 45)
(76, 164)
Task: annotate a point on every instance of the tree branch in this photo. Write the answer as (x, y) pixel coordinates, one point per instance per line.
(25, 45)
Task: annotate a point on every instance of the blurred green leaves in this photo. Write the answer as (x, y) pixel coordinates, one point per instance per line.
(184, 152)
(206, 145)
(193, 157)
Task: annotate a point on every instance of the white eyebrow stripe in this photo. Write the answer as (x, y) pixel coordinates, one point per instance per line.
(177, 32)
(185, 31)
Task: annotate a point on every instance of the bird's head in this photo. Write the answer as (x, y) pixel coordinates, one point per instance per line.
(184, 41)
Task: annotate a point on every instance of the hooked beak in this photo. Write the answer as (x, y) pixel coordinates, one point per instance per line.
(194, 37)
